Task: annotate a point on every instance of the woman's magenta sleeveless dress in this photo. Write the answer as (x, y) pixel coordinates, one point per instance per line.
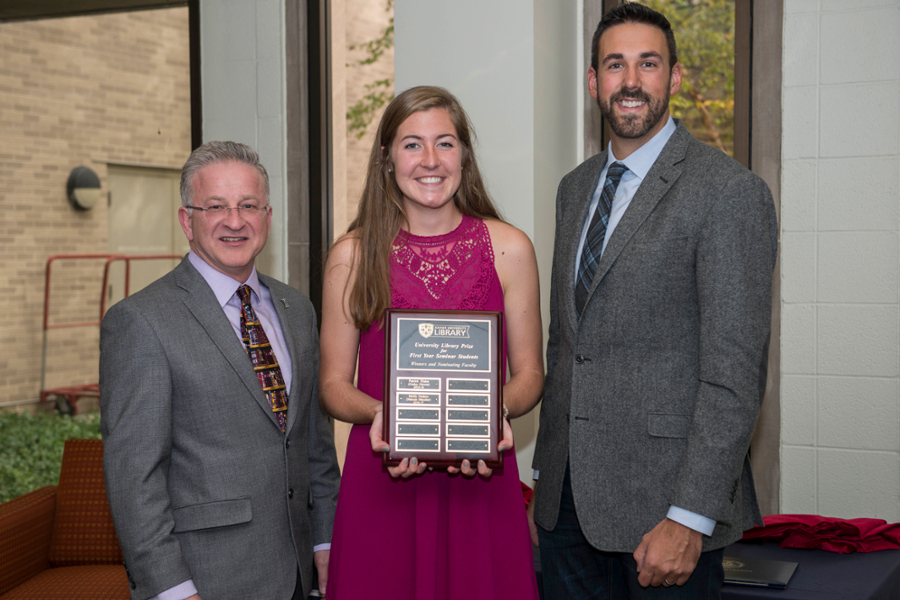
(432, 537)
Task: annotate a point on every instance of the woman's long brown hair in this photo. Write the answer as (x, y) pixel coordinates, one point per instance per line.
(381, 215)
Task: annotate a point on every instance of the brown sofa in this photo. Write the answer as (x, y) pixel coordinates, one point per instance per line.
(58, 542)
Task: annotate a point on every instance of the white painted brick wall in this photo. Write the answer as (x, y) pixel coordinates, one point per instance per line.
(841, 259)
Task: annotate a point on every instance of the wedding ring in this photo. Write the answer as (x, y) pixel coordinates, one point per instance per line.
(667, 582)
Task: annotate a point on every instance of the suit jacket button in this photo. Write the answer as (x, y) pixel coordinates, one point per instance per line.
(287, 444)
(291, 493)
(579, 358)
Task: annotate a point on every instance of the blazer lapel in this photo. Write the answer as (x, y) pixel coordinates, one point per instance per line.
(660, 178)
(203, 305)
(574, 219)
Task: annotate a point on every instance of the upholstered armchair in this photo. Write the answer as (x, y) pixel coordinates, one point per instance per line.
(58, 542)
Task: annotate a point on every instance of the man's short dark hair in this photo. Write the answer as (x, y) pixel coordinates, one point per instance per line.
(632, 12)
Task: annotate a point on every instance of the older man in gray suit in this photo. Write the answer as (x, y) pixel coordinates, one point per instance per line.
(659, 321)
(220, 468)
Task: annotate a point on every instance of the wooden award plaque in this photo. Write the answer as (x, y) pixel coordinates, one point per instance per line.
(443, 390)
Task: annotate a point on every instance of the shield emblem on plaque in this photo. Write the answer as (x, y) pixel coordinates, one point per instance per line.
(426, 329)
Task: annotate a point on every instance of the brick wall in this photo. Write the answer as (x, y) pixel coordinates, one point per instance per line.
(76, 91)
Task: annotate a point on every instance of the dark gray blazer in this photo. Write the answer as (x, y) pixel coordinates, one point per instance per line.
(653, 394)
(201, 481)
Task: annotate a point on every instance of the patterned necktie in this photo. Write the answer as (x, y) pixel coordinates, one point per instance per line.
(263, 357)
(593, 243)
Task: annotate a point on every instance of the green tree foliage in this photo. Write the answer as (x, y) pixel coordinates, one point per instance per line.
(375, 48)
(379, 92)
(31, 448)
(704, 31)
(361, 114)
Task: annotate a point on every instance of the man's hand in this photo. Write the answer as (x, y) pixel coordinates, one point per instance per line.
(320, 558)
(668, 554)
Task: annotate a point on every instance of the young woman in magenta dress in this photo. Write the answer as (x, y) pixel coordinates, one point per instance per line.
(426, 236)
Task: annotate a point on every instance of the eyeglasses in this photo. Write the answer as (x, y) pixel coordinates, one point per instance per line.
(248, 211)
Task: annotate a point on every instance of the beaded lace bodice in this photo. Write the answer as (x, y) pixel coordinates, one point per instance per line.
(450, 271)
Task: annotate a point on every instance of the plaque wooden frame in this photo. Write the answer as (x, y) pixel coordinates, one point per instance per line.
(443, 398)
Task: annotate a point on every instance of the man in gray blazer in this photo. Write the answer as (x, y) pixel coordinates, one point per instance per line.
(218, 489)
(659, 324)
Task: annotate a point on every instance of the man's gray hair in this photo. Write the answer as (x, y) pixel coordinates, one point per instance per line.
(218, 152)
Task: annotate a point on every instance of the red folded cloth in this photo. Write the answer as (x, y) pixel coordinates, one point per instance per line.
(834, 535)
(527, 493)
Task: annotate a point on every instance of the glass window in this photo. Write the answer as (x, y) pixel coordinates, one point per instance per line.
(704, 31)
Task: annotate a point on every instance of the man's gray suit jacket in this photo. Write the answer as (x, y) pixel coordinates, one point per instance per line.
(201, 481)
(653, 394)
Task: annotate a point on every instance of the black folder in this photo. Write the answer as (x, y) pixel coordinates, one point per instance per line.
(758, 572)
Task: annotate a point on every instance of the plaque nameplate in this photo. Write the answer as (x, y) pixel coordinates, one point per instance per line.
(414, 429)
(468, 430)
(406, 398)
(468, 400)
(411, 383)
(418, 445)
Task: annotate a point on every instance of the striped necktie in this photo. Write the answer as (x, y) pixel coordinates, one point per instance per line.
(263, 357)
(593, 243)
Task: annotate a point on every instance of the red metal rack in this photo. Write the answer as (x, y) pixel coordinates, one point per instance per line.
(67, 396)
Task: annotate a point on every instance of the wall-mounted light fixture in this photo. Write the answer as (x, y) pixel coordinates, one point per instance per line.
(83, 188)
